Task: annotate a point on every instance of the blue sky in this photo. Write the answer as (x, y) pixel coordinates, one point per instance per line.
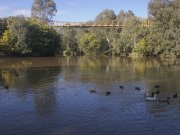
(75, 10)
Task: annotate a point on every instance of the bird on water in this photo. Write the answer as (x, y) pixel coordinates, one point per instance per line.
(175, 95)
(122, 87)
(156, 86)
(92, 91)
(6, 86)
(151, 98)
(165, 101)
(108, 93)
(137, 88)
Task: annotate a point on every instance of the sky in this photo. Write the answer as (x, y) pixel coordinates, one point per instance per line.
(75, 10)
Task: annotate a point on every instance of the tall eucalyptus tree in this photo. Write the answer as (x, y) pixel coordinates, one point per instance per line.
(43, 10)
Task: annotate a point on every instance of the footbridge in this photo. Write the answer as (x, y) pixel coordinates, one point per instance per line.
(113, 23)
(86, 24)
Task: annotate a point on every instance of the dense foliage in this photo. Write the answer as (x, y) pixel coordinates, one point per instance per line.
(165, 33)
(91, 45)
(26, 37)
(43, 10)
(22, 36)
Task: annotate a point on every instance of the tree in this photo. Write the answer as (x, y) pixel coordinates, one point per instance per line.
(5, 42)
(69, 41)
(3, 26)
(140, 47)
(19, 29)
(121, 16)
(43, 10)
(165, 14)
(129, 14)
(129, 34)
(42, 40)
(29, 38)
(90, 44)
(105, 16)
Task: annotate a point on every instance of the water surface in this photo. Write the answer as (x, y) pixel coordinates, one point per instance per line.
(51, 96)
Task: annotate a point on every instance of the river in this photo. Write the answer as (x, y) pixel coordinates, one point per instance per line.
(67, 96)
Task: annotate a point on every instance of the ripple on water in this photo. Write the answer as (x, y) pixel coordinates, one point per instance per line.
(57, 100)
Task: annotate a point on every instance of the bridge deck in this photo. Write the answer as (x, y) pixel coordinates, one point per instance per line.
(119, 26)
(114, 23)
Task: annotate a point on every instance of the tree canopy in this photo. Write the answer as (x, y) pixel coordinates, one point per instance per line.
(106, 15)
(43, 10)
(29, 38)
(166, 28)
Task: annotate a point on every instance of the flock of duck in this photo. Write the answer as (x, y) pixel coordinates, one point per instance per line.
(148, 97)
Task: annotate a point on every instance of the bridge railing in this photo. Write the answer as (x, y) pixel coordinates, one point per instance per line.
(114, 23)
(87, 24)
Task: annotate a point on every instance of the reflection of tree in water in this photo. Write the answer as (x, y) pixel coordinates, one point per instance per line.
(91, 69)
(158, 109)
(112, 69)
(41, 80)
(164, 73)
(10, 76)
(98, 71)
(129, 70)
(101, 71)
(44, 101)
(38, 81)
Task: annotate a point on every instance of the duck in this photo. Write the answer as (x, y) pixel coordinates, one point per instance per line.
(137, 88)
(149, 95)
(165, 101)
(108, 93)
(122, 87)
(151, 98)
(157, 92)
(156, 86)
(175, 95)
(92, 91)
(6, 87)
(16, 74)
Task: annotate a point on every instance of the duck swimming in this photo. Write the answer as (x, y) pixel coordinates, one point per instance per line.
(16, 74)
(157, 92)
(165, 101)
(151, 98)
(149, 95)
(175, 95)
(92, 91)
(108, 93)
(122, 87)
(6, 87)
(137, 88)
(156, 86)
